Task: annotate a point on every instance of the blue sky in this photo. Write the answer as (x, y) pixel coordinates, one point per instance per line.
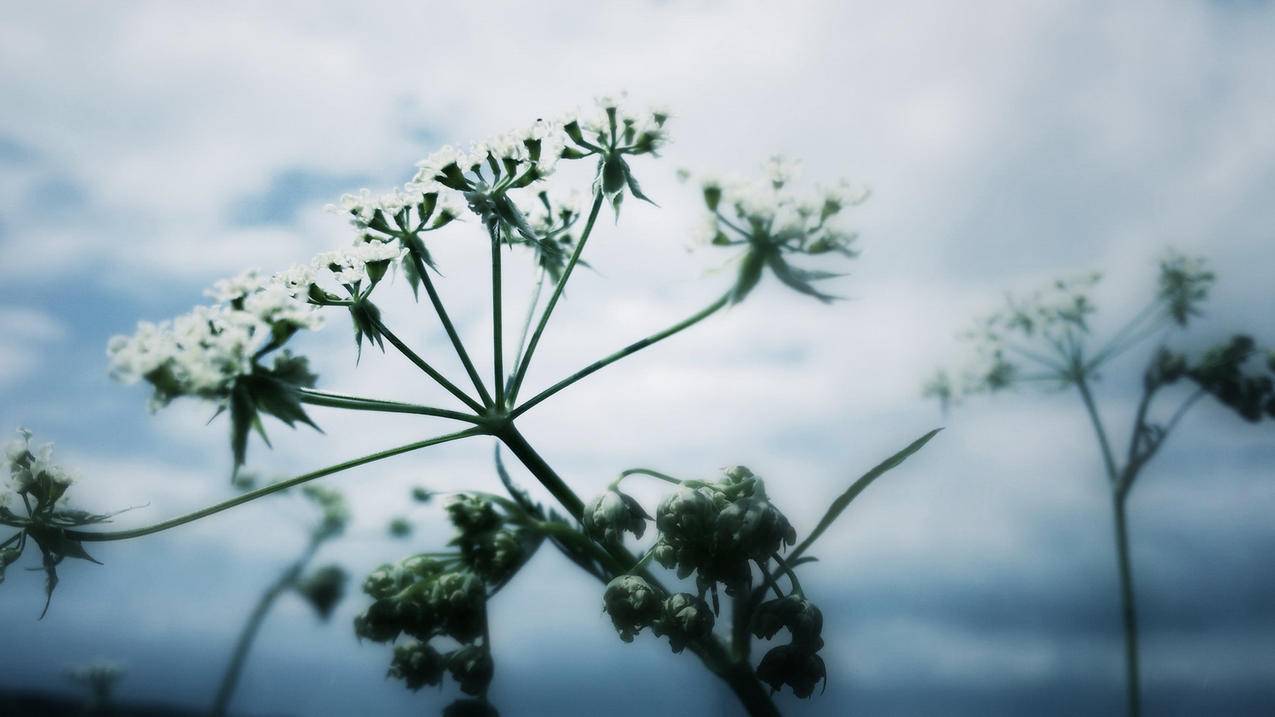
(148, 149)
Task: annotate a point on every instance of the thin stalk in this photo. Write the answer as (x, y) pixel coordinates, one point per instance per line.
(250, 629)
(433, 373)
(451, 333)
(267, 490)
(624, 352)
(497, 333)
(1106, 351)
(553, 298)
(1128, 612)
(1108, 457)
(526, 323)
(646, 472)
(358, 403)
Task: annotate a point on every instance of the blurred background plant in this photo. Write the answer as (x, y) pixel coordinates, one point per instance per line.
(1044, 341)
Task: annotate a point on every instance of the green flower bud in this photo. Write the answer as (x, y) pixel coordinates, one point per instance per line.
(384, 582)
(422, 495)
(685, 618)
(754, 528)
(471, 666)
(609, 515)
(473, 514)
(494, 555)
(381, 622)
(665, 554)
(686, 515)
(418, 664)
(799, 616)
(399, 528)
(324, 588)
(458, 599)
(790, 665)
(712, 196)
(632, 604)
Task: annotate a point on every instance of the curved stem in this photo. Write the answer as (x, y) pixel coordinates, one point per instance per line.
(423, 365)
(624, 352)
(553, 298)
(267, 490)
(250, 629)
(792, 576)
(358, 403)
(1128, 611)
(646, 472)
(451, 332)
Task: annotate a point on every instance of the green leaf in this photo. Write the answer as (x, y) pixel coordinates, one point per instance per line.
(843, 501)
(242, 415)
(54, 548)
(367, 317)
(614, 172)
(799, 279)
(635, 188)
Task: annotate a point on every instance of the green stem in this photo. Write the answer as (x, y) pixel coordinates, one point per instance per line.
(433, 373)
(497, 333)
(624, 352)
(646, 472)
(792, 575)
(250, 629)
(1108, 459)
(358, 403)
(526, 323)
(553, 298)
(451, 333)
(267, 490)
(1128, 611)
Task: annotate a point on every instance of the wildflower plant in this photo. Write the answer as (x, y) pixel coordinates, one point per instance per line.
(726, 533)
(1046, 340)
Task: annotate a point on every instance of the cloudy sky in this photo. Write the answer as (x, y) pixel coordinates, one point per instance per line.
(147, 150)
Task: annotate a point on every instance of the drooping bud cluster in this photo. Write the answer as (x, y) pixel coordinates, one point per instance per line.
(323, 589)
(632, 604)
(41, 486)
(612, 514)
(685, 619)
(796, 664)
(715, 529)
(1221, 372)
(772, 221)
(489, 545)
(424, 599)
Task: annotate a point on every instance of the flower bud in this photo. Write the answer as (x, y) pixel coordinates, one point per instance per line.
(803, 620)
(790, 665)
(324, 588)
(418, 664)
(471, 666)
(494, 555)
(685, 618)
(472, 513)
(609, 515)
(685, 515)
(632, 605)
(754, 528)
(379, 623)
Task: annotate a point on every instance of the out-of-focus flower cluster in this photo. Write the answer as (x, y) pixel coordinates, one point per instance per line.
(773, 221)
(716, 531)
(444, 595)
(1233, 372)
(40, 486)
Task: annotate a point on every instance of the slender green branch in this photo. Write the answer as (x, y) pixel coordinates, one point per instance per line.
(1039, 358)
(358, 403)
(497, 332)
(1108, 458)
(433, 373)
(451, 331)
(267, 490)
(624, 352)
(250, 629)
(521, 373)
(646, 472)
(792, 575)
(526, 323)
(1105, 353)
(1128, 610)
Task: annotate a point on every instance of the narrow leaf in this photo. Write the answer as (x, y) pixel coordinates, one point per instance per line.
(843, 500)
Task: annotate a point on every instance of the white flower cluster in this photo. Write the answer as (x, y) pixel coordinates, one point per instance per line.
(509, 147)
(645, 128)
(772, 200)
(27, 464)
(203, 352)
(351, 265)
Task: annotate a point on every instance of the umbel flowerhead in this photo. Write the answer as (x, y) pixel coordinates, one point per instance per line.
(772, 222)
(611, 134)
(41, 487)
